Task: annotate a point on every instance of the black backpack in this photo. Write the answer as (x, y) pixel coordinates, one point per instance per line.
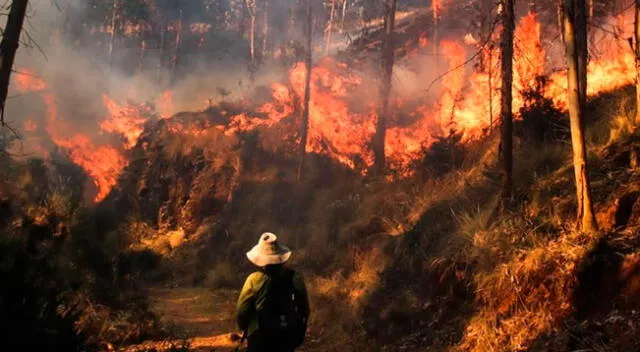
(279, 317)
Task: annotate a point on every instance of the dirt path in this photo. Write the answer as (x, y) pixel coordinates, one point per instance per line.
(201, 316)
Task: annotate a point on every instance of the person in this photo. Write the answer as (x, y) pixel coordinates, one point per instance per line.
(273, 306)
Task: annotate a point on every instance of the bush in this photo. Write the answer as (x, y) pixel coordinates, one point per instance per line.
(541, 121)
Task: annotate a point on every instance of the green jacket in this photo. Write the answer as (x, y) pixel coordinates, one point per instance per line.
(252, 298)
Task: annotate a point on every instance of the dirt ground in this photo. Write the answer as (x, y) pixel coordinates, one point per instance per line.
(202, 317)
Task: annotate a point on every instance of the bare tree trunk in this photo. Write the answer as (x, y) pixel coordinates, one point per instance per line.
(250, 5)
(304, 126)
(345, 3)
(143, 52)
(8, 47)
(508, 23)
(637, 54)
(163, 34)
(329, 29)
(114, 30)
(388, 56)
(585, 214)
(176, 52)
(435, 7)
(265, 28)
(582, 48)
(490, 52)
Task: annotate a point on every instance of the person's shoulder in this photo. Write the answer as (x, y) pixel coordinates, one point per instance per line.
(256, 277)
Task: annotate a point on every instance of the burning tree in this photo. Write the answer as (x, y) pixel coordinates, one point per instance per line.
(637, 58)
(388, 55)
(304, 126)
(508, 23)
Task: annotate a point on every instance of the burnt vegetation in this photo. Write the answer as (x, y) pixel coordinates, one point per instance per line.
(370, 136)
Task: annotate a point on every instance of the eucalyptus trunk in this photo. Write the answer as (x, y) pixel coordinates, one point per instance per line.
(586, 219)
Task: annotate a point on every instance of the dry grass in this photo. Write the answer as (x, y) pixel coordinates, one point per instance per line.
(527, 296)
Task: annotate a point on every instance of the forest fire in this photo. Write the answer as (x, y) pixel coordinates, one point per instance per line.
(123, 120)
(342, 125)
(102, 163)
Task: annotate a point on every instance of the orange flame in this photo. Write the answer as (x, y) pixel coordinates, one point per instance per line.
(165, 106)
(338, 127)
(30, 126)
(102, 163)
(122, 120)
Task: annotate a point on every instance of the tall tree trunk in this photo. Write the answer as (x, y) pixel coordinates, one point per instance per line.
(143, 52)
(304, 125)
(251, 10)
(176, 52)
(508, 23)
(435, 7)
(114, 30)
(586, 219)
(161, 49)
(8, 47)
(388, 56)
(637, 54)
(329, 29)
(582, 48)
(345, 3)
(490, 81)
(265, 28)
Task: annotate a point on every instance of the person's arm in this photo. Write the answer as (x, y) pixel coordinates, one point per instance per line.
(302, 296)
(245, 307)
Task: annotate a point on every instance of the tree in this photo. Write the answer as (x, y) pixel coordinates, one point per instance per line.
(329, 29)
(582, 48)
(345, 3)
(176, 50)
(586, 219)
(114, 30)
(388, 56)
(435, 8)
(304, 126)
(8, 47)
(251, 9)
(637, 54)
(265, 28)
(508, 23)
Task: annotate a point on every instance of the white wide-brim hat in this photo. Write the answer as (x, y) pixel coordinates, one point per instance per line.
(268, 251)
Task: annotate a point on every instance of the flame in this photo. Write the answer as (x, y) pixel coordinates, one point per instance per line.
(123, 120)
(102, 163)
(30, 126)
(164, 105)
(436, 7)
(27, 81)
(341, 123)
(615, 69)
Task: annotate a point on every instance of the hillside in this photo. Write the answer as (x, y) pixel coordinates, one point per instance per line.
(127, 228)
(419, 264)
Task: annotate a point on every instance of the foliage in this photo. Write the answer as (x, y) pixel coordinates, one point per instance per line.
(66, 283)
(541, 120)
(445, 155)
